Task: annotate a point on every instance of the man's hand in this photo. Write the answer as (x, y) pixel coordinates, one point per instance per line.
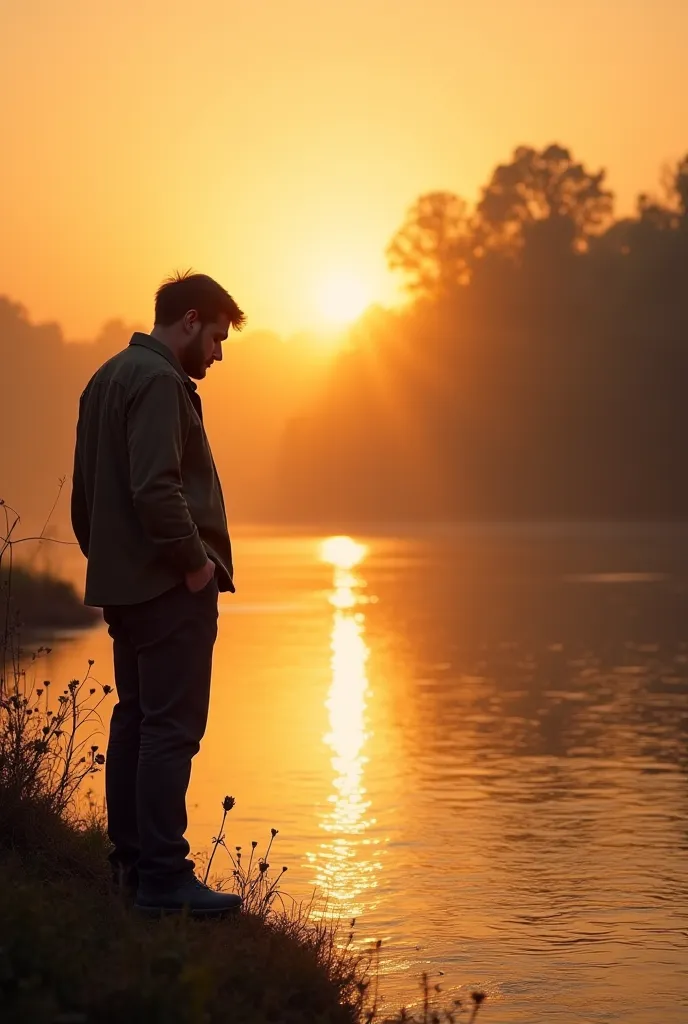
(196, 581)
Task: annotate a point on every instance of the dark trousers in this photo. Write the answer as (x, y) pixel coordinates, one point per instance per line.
(163, 655)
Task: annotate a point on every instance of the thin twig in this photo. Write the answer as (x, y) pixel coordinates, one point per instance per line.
(50, 540)
(46, 524)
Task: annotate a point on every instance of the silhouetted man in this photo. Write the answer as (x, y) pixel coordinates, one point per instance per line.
(148, 512)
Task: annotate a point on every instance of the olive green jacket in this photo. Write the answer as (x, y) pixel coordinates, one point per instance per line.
(147, 504)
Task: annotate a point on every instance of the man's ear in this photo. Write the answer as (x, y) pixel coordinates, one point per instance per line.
(191, 318)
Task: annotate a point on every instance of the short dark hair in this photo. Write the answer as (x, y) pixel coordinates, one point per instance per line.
(182, 292)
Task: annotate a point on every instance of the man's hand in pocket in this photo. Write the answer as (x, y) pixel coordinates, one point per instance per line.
(196, 581)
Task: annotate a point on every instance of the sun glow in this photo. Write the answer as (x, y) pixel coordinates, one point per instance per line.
(341, 298)
(342, 552)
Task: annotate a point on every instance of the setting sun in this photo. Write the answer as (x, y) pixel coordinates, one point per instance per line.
(342, 297)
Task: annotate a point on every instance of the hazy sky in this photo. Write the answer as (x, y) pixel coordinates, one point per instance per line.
(275, 142)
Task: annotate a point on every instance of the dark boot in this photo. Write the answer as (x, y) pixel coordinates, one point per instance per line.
(192, 896)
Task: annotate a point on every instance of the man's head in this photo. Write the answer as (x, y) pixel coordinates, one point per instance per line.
(193, 316)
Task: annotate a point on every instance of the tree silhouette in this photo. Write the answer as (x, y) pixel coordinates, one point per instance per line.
(434, 247)
(547, 196)
(541, 376)
(540, 373)
(681, 186)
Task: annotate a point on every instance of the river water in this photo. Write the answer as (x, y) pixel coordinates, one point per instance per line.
(474, 740)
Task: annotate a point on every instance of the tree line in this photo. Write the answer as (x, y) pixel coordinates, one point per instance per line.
(539, 369)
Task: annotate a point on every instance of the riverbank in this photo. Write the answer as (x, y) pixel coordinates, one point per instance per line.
(42, 602)
(73, 951)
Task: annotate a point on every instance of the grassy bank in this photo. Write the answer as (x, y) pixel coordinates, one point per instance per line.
(74, 952)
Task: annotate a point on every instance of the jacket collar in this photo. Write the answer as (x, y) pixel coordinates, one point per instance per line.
(146, 341)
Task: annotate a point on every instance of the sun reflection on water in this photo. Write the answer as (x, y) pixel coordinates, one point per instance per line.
(344, 863)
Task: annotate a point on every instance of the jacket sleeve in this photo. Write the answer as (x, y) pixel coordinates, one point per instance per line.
(158, 419)
(79, 507)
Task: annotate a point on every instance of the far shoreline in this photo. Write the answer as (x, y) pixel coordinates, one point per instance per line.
(43, 604)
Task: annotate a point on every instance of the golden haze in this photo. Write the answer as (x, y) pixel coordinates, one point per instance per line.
(277, 142)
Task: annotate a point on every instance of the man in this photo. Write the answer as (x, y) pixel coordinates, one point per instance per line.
(148, 513)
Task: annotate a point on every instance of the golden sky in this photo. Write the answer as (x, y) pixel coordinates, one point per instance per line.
(273, 143)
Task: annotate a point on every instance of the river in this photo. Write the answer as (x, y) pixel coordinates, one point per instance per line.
(474, 740)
